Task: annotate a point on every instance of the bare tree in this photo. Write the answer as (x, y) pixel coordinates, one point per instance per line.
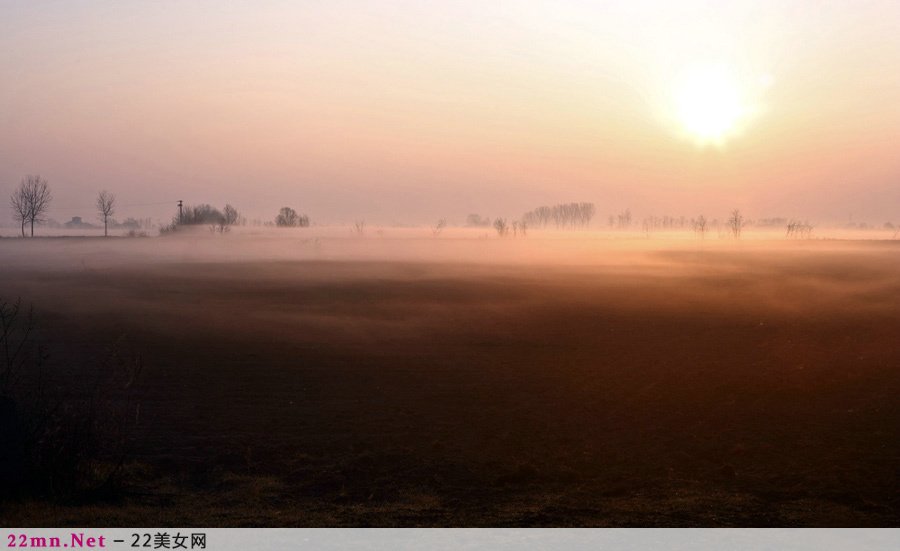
(359, 228)
(199, 215)
(19, 204)
(287, 218)
(106, 207)
(501, 226)
(699, 226)
(223, 221)
(736, 223)
(31, 201)
(799, 230)
(39, 198)
(563, 215)
(477, 221)
(231, 215)
(587, 213)
(439, 227)
(647, 226)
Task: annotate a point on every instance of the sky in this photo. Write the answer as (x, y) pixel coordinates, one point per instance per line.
(404, 112)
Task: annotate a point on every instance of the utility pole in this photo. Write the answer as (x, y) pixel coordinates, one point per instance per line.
(179, 211)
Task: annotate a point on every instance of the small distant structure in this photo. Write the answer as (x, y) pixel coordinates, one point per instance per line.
(76, 223)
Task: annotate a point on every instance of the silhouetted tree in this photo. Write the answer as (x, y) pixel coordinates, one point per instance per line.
(647, 225)
(799, 230)
(287, 218)
(19, 205)
(477, 221)
(699, 226)
(227, 218)
(31, 201)
(563, 215)
(438, 228)
(736, 223)
(587, 213)
(501, 226)
(106, 207)
(231, 215)
(201, 214)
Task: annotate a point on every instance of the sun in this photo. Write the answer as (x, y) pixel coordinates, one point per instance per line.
(708, 104)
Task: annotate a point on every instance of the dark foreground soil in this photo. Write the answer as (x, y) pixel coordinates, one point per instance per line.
(690, 388)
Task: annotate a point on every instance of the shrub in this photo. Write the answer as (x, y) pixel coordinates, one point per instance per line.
(502, 226)
(65, 434)
(288, 218)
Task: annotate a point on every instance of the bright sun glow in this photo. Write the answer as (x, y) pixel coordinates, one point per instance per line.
(708, 103)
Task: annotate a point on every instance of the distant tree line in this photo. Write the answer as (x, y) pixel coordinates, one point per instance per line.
(771, 222)
(478, 221)
(30, 203)
(663, 223)
(222, 221)
(562, 216)
(198, 215)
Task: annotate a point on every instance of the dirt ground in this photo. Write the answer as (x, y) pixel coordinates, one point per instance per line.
(486, 383)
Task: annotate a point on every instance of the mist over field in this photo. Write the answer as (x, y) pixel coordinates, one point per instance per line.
(410, 263)
(465, 381)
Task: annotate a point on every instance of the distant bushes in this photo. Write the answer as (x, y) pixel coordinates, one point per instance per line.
(288, 218)
(502, 227)
(198, 215)
(478, 221)
(219, 221)
(168, 229)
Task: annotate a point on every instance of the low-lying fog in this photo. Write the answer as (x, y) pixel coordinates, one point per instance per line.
(689, 275)
(79, 251)
(500, 367)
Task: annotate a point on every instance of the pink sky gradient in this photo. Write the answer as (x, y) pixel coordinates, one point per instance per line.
(411, 111)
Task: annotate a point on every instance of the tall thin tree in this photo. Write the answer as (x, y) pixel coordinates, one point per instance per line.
(106, 207)
(736, 223)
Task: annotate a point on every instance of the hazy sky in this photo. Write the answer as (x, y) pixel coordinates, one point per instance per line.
(408, 111)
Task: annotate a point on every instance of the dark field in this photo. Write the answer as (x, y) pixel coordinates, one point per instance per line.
(612, 384)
